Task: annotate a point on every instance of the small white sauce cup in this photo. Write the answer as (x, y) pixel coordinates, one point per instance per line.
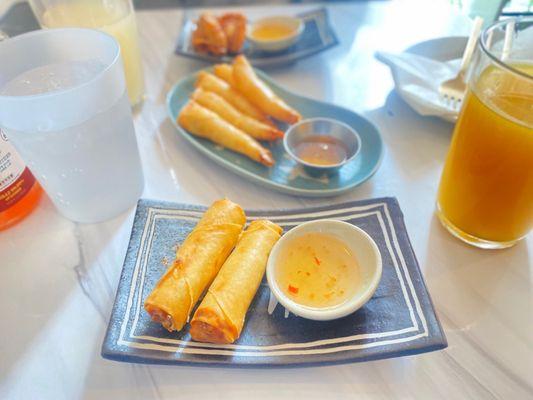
(360, 244)
(271, 45)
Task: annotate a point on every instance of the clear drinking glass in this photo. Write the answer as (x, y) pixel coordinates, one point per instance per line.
(64, 106)
(486, 190)
(116, 17)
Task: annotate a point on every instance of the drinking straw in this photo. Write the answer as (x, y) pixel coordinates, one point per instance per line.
(508, 40)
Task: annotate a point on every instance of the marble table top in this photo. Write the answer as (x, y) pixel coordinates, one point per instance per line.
(58, 278)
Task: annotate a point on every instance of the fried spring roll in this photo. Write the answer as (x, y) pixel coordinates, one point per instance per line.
(259, 94)
(234, 26)
(205, 123)
(220, 316)
(197, 262)
(224, 72)
(211, 83)
(209, 35)
(252, 127)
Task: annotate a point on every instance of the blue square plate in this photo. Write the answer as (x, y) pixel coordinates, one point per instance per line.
(317, 36)
(399, 320)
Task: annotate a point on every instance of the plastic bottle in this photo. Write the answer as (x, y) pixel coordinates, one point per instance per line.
(19, 191)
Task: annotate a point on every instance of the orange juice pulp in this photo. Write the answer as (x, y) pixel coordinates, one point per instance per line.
(486, 188)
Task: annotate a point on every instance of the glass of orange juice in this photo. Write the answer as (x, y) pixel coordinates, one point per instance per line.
(485, 196)
(115, 17)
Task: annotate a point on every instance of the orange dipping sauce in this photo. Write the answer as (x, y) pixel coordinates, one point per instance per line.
(321, 150)
(318, 270)
(272, 31)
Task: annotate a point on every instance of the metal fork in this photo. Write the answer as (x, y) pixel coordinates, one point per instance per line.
(452, 91)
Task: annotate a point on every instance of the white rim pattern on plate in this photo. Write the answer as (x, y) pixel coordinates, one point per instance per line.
(137, 288)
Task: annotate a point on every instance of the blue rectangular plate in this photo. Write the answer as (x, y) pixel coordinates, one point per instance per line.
(399, 320)
(316, 37)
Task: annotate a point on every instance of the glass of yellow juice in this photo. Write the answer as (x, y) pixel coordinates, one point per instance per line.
(485, 196)
(115, 17)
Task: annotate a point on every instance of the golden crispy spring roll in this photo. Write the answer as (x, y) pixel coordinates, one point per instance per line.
(197, 262)
(259, 94)
(234, 26)
(252, 127)
(220, 316)
(224, 72)
(202, 122)
(209, 35)
(211, 83)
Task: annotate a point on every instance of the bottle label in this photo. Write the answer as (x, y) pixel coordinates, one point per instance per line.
(15, 178)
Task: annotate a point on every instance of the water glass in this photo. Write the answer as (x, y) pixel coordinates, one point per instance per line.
(64, 106)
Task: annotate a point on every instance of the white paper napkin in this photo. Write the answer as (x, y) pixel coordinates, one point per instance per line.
(417, 80)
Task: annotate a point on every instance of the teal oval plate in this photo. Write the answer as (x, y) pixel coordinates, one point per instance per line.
(287, 176)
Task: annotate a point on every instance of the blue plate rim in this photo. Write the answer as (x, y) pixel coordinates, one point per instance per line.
(259, 179)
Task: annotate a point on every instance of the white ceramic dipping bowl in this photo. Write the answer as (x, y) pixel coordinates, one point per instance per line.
(272, 45)
(361, 245)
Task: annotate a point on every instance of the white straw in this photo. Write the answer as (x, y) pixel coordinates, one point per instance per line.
(471, 44)
(508, 40)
